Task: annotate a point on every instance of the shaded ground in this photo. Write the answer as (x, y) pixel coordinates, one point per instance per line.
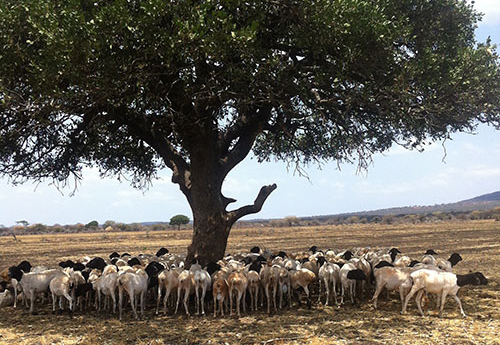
(478, 242)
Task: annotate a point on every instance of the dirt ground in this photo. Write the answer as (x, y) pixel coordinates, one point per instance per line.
(478, 242)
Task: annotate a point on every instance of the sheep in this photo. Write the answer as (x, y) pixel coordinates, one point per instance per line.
(62, 286)
(269, 281)
(302, 278)
(441, 283)
(6, 299)
(162, 251)
(106, 285)
(284, 286)
(237, 283)
(392, 278)
(134, 284)
(220, 292)
(97, 262)
(23, 267)
(428, 257)
(202, 281)
(447, 265)
(253, 278)
(186, 283)
(329, 273)
(168, 280)
(33, 283)
(349, 274)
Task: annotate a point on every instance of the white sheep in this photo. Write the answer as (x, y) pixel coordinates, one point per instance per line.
(202, 282)
(392, 278)
(135, 284)
(105, 285)
(442, 284)
(329, 274)
(34, 283)
(349, 274)
(168, 280)
(186, 283)
(62, 286)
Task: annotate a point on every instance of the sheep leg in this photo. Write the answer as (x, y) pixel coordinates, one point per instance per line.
(14, 285)
(221, 306)
(443, 298)
(133, 304)
(53, 303)
(186, 297)
(231, 302)
(238, 301)
(306, 289)
(351, 291)
(274, 297)
(455, 297)
(327, 288)
(215, 305)
(120, 300)
(419, 301)
(319, 293)
(143, 296)
(266, 290)
(203, 294)
(197, 300)
(32, 304)
(289, 288)
(165, 299)
(377, 292)
(256, 297)
(113, 297)
(178, 299)
(158, 299)
(413, 290)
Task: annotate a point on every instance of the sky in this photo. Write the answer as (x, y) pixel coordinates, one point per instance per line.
(459, 169)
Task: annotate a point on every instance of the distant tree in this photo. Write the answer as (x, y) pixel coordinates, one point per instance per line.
(93, 224)
(291, 220)
(179, 220)
(132, 87)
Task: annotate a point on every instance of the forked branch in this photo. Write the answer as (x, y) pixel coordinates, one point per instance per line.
(265, 191)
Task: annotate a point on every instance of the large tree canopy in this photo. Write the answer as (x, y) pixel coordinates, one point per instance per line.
(134, 86)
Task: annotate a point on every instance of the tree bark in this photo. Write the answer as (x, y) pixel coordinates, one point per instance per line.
(212, 226)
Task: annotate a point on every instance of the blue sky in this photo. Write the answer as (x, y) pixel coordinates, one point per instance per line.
(397, 178)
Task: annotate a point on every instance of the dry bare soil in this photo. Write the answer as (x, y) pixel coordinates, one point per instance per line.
(477, 241)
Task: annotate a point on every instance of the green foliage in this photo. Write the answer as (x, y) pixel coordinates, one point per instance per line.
(132, 86)
(179, 220)
(92, 224)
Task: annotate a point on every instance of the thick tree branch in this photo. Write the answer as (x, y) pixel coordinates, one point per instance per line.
(265, 191)
(245, 131)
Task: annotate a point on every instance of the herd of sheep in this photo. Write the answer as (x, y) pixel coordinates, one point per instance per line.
(270, 280)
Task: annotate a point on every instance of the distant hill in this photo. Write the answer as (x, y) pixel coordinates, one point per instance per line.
(483, 198)
(479, 203)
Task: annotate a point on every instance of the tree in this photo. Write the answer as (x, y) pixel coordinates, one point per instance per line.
(92, 224)
(132, 87)
(179, 220)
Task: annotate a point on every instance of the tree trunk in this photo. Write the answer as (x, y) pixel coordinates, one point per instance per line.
(212, 223)
(210, 234)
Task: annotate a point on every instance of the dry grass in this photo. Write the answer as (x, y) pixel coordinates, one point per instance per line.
(478, 242)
